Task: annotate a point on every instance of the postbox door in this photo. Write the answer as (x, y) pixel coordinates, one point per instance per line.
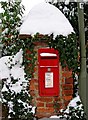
(48, 73)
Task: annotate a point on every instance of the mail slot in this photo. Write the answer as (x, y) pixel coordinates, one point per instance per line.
(48, 72)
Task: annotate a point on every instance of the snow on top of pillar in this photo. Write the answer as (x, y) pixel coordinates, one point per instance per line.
(45, 18)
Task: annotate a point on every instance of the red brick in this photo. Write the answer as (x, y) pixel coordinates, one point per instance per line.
(31, 81)
(35, 69)
(66, 103)
(61, 105)
(32, 93)
(45, 110)
(67, 86)
(43, 115)
(67, 92)
(40, 104)
(34, 81)
(45, 99)
(32, 84)
(67, 74)
(39, 115)
(40, 43)
(69, 81)
(36, 87)
(67, 98)
(25, 36)
(66, 68)
(49, 104)
(63, 80)
(57, 99)
(32, 87)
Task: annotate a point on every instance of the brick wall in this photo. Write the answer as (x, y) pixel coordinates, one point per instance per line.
(47, 106)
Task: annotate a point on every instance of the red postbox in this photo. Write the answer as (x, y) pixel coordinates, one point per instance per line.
(48, 72)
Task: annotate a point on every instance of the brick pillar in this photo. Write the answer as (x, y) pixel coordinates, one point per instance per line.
(67, 85)
(47, 106)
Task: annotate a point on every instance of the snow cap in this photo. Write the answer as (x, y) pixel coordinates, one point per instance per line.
(45, 18)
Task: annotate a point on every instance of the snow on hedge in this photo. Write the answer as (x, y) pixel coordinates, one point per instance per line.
(17, 72)
(74, 110)
(73, 103)
(13, 76)
(45, 18)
